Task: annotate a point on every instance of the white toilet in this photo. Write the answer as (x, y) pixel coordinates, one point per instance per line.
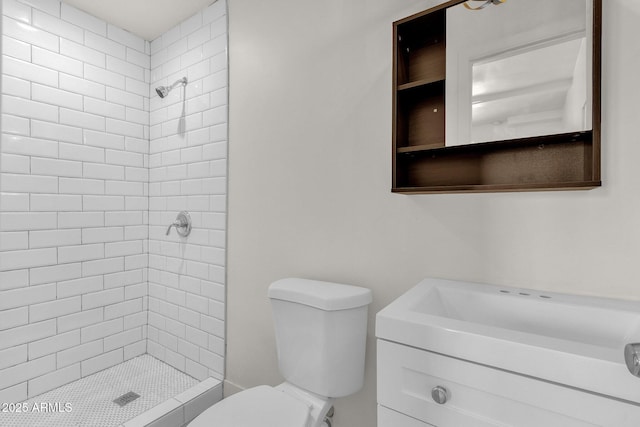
(321, 331)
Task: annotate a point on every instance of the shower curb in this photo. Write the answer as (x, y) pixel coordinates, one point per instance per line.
(180, 410)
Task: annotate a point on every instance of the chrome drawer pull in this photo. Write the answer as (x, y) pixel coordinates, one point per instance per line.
(632, 358)
(440, 395)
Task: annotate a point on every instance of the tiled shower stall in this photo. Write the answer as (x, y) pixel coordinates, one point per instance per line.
(95, 166)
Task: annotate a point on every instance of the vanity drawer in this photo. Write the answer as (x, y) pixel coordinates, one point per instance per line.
(389, 418)
(480, 396)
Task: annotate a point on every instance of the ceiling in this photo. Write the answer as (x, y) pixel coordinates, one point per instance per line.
(145, 18)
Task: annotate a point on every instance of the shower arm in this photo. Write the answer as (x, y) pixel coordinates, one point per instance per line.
(177, 82)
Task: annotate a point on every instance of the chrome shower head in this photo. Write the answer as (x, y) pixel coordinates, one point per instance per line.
(163, 91)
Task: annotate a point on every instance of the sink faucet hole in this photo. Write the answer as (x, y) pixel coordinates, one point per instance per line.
(524, 294)
(505, 292)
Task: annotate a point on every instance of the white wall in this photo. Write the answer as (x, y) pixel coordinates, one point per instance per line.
(310, 178)
(73, 211)
(187, 171)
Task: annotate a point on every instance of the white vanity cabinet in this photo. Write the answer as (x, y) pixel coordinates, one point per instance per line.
(388, 417)
(455, 354)
(481, 396)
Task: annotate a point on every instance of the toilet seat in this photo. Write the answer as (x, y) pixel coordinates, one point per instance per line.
(262, 406)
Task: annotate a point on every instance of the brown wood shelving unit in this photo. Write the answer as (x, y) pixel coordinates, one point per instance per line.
(421, 161)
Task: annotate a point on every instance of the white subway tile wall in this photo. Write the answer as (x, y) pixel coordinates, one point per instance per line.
(185, 154)
(94, 167)
(58, 183)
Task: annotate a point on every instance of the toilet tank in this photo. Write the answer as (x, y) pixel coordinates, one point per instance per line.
(321, 332)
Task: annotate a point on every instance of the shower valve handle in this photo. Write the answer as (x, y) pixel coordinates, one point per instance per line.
(175, 224)
(182, 224)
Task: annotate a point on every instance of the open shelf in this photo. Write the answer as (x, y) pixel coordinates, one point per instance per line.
(419, 84)
(418, 148)
(526, 164)
(421, 115)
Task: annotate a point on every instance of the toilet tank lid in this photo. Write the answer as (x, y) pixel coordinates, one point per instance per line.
(323, 295)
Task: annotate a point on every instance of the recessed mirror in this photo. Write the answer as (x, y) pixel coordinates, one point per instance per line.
(518, 69)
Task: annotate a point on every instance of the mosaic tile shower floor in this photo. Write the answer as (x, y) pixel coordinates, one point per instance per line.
(91, 398)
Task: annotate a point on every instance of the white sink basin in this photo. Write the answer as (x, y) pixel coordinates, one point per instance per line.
(573, 340)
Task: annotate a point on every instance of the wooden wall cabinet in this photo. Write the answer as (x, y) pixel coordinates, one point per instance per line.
(422, 163)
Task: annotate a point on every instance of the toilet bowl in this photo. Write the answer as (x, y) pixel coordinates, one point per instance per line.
(321, 330)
